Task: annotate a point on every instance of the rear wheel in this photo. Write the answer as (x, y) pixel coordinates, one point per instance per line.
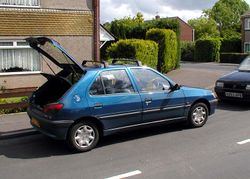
(83, 136)
(198, 115)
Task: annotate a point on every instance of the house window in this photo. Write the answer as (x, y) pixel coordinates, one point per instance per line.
(247, 47)
(247, 24)
(17, 56)
(25, 3)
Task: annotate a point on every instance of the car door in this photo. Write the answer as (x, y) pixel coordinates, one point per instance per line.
(114, 100)
(159, 102)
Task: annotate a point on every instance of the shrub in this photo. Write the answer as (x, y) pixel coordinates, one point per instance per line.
(231, 45)
(187, 51)
(127, 28)
(207, 50)
(144, 50)
(167, 42)
(236, 58)
(168, 23)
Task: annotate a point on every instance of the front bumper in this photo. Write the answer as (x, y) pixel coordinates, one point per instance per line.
(220, 92)
(56, 129)
(213, 105)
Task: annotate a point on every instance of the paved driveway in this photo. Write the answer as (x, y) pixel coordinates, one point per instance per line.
(200, 74)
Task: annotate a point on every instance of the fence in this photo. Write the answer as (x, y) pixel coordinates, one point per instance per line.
(19, 92)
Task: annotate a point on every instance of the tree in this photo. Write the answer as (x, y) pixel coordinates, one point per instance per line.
(123, 28)
(204, 27)
(227, 14)
(139, 17)
(107, 25)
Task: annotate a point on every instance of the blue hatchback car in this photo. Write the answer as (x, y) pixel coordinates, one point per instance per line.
(81, 102)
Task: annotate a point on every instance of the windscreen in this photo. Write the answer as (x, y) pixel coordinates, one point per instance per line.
(245, 65)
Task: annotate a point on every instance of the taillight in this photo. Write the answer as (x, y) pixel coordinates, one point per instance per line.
(52, 108)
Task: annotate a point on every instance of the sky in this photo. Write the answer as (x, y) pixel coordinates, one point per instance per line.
(185, 9)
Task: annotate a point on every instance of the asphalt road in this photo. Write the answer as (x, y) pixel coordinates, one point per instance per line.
(170, 151)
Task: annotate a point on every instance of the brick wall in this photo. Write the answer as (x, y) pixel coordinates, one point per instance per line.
(186, 31)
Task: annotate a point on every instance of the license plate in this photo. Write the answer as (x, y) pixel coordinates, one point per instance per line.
(234, 95)
(35, 122)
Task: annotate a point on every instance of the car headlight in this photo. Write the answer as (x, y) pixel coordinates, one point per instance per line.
(248, 87)
(220, 84)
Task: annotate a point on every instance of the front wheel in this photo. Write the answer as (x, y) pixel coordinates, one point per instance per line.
(198, 115)
(83, 136)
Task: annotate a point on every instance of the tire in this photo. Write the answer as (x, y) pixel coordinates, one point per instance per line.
(83, 136)
(198, 115)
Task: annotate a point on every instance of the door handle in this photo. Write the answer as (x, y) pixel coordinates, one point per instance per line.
(98, 105)
(148, 101)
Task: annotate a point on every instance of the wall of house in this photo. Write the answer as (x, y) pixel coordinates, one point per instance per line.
(70, 22)
(244, 33)
(78, 47)
(67, 4)
(186, 31)
(247, 36)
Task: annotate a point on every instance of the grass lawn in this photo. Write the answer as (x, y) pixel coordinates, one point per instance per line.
(13, 100)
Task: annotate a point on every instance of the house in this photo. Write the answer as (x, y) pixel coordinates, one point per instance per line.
(186, 31)
(245, 19)
(70, 22)
(105, 36)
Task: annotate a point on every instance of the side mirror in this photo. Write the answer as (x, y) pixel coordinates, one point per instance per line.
(166, 87)
(175, 87)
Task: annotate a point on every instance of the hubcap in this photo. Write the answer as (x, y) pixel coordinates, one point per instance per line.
(84, 136)
(199, 115)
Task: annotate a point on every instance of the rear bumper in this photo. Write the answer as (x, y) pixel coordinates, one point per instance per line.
(56, 129)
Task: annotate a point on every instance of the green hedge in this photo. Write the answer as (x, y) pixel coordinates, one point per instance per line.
(187, 51)
(168, 53)
(207, 50)
(127, 28)
(231, 45)
(236, 58)
(144, 50)
(11, 101)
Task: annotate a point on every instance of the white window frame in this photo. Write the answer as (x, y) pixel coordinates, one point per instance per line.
(247, 23)
(246, 43)
(26, 6)
(15, 46)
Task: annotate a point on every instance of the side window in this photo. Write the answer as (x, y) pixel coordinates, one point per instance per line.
(149, 80)
(116, 81)
(97, 87)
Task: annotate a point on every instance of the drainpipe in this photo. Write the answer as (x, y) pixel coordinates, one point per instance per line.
(96, 6)
(193, 35)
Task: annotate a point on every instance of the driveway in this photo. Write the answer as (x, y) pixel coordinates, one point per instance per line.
(200, 74)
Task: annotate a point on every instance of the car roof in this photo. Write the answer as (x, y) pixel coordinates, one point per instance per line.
(113, 67)
(115, 64)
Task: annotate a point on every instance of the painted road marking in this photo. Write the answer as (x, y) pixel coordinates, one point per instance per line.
(126, 175)
(243, 142)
